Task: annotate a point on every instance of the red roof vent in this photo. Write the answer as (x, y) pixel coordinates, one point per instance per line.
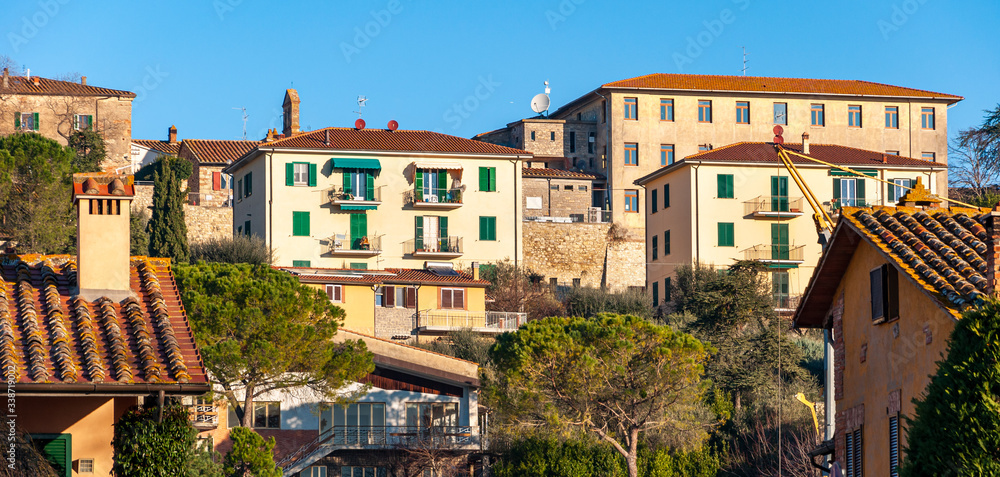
(393, 125)
(90, 186)
(359, 124)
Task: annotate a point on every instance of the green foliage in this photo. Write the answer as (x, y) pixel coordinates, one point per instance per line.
(167, 229)
(956, 427)
(139, 236)
(587, 301)
(203, 462)
(35, 193)
(235, 249)
(147, 448)
(987, 198)
(251, 455)
(463, 344)
(89, 147)
(182, 169)
(255, 325)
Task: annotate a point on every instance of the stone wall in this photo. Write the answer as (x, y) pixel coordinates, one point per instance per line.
(203, 222)
(570, 196)
(583, 251)
(391, 322)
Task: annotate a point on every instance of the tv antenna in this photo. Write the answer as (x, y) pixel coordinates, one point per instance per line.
(361, 104)
(245, 116)
(745, 67)
(540, 103)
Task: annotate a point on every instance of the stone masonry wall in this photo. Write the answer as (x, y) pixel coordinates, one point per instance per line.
(391, 322)
(203, 222)
(575, 200)
(582, 251)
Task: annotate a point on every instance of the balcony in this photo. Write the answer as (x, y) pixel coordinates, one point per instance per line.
(773, 207)
(443, 321)
(343, 245)
(446, 247)
(786, 304)
(434, 198)
(204, 414)
(369, 200)
(776, 254)
(836, 204)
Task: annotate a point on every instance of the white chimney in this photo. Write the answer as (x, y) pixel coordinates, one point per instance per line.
(805, 143)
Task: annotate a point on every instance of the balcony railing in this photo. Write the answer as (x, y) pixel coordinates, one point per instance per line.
(773, 206)
(344, 244)
(433, 197)
(775, 253)
(366, 197)
(786, 303)
(203, 415)
(482, 321)
(440, 247)
(836, 204)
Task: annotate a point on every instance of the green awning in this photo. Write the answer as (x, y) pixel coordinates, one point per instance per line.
(356, 164)
(783, 265)
(867, 172)
(358, 207)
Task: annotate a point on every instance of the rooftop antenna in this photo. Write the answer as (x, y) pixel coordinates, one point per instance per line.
(540, 103)
(745, 67)
(245, 116)
(361, 104)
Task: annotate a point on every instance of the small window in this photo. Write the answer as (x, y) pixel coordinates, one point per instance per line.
(892, 153)
(725, 183)
(581, 188)
(590, 143)
(239, 190)
(704, 111)
(552, 136)
(884, 294)
(816, 115)
(26, 121)
(248, 184)
(927, 118)
(780, 113)
(631, 154)
(379, 296)
(246, 227)
(666, 195)
(666, 110)
(742, 112)
(82, 122)
(358, 266)
(335, 293)
(572, 141)
(653, 201)
(300, 174)
(892, 117)
(666, 154)
(567, 187)
(704, 147)
(576, 283)
(86, 466)
(532, 135)
(854, 115)
(666, 243)
(726, 234)
(452, 298)
(300, 263)
(654, 249)
(927, 156)
(553, 187)
(632, 201)
(656, 294)
(667, 289)
(631, 108)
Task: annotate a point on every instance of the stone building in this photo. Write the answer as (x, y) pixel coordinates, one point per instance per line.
(559, 195)
(208, 185)
(147, 151)
(56, 108)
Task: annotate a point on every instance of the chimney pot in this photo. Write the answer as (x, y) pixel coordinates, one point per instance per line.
(327, 139)
(83, 80)
(805, 143)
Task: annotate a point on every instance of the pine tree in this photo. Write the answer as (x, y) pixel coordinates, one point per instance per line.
(167, 230)
(956, 429)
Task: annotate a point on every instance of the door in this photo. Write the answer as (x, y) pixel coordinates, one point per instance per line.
(779, 289)
(779, 194)
(430, 192)
(430, 237)
(848, 189)
(359, 232)
(779, 241)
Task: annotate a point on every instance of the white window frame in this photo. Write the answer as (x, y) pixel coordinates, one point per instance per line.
(451, 292)
(76, 122)
(300, 173)
(332, 292)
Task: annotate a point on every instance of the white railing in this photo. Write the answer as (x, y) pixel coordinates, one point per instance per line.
(498, 320)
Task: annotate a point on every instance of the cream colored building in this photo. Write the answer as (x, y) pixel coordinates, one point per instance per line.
(377, 198)
(738, 202)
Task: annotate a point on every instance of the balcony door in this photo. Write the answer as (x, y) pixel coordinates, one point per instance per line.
(359, 183)
(359, 423)
(432, 419)
(779, 194)
(779, 241)
(359, 232)
(779, 289)
(849, 192)
(432, 234)
(431, 185)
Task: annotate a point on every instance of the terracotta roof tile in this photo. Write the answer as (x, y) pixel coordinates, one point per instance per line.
(840, 155)
(24, 85)
(385, 140)
(219, 151)
(50, 335)
(158, 145)
(103, 184)
(759, 84)
(546, 172)
(387, 276)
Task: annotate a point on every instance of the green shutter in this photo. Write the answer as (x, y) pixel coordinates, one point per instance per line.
(443, 227)
(359, 229)
(418, 182)
(493, 179)
(290, 174)
(493, 228)
(836, 191)
(418, 233)
(90, 122)
(35, 117)
(488, 228)
(301, 263)
(58, 450)
(482, 220)
(442, 182)
(300, 224)
(484, 179)
(370, 190)
(17, 120)
(860, 183)
(312, 175)
(725, 186)
(347, 181)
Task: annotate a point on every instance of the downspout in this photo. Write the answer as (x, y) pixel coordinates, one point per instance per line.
(829, 404)
(548, 182)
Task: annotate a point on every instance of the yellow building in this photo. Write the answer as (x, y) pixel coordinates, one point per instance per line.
(889, 289)
(377, 198)
(738, 203)
(407, 304)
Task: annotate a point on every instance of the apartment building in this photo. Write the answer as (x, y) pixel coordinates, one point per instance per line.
(640, 124)
(376, 198)
(55, 109)
(738, 202)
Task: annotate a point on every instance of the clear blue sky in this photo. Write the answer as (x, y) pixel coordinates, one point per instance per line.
(192, 62)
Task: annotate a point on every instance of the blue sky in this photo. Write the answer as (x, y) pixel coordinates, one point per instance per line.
(464, 67)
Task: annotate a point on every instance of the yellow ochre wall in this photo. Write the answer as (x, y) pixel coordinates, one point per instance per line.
(103, 247)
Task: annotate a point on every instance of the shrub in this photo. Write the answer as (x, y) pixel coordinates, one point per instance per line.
(235, 249)
(587, 301)
(147, 447)
(250, 455)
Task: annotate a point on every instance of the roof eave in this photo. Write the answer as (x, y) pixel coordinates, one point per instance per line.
(951, 99)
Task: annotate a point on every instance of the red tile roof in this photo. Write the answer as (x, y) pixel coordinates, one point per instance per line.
(218, 151)
(760, 84)
(49, 335)
(546, 172)
(103, 183)
(45, 86)
(385, 140)
(158, 145)
(387, 276)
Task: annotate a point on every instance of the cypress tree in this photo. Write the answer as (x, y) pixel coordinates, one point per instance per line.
(167, 230)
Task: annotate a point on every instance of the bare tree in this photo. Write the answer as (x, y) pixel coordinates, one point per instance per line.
(974, 162)
(7, 62)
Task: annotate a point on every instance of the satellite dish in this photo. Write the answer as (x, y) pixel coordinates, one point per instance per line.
(540, 103)
(393, 125)
(359, 124)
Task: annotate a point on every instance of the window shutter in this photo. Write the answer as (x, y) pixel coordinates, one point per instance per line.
(35, 118)
(17, 120)
(338, 294)
(390, 296)
(418, 233)
(76, 121)
(666, 195)
(878, 311)
(484, 179)
(410, 300)
(90, 121)
(493, 179)
(312, 175)
(58, 450)
(721, 179)
(216, 180)
(836, 190)
(443, 232)
(347, 182)
(246, 227)
(493, 228)
(442, 181)
(418, 182)
(482, 228)
(891, 285)
(370, 182)
(458, 299)
(445, 298)
(239, 189)
(248, 184)
(861, 191)
(289, 174)
(329, 292)
(655, 200)
(893, 445)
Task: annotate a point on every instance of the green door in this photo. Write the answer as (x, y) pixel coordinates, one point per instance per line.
(779, 241)
(418, 232)
(359, 230)
(779, 194)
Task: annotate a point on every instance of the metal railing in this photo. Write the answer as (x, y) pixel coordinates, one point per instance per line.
(498, 320)
(433, 195)
(344, 242)
(786, 302)
(449, 244)
(772, 204)
(771, 253)
(337, 194)
(204, 415)
(836, 204)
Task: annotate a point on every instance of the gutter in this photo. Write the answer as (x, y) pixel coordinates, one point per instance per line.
(110, 389)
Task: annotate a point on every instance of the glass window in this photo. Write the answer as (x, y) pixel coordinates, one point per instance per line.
(666, 195)
(314, 471)
(816, 115)
(431, 414)
(899, 188)
(666, 110)
(82, 121)
(780, 113)
(552, 136)
(631, 154)
(631, 108)
(779, 289)
(358, 423)
(653, 200)
(590, 143)
(572, 141)
(892, 153)
(666, 243)
(300, 173)
(656, 294)
(266, 415)
(743, 112)
(666, 154)
(631, 201)
(927, 156)
(452, 298)
(927, 118)
(532, 135)
(655, 247)
(704, 111)
(854, 116)
(892, 117)
(379, 296)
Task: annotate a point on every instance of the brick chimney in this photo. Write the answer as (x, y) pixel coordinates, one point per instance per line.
(805, 143)
(103, 202)
(83, 80)
(290, 107)
(172, 135)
